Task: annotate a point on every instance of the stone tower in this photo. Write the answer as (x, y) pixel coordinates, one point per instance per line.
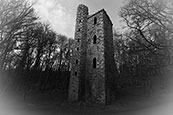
(93, 63)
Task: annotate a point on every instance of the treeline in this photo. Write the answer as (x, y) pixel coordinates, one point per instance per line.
(144, 48)
(30, 51)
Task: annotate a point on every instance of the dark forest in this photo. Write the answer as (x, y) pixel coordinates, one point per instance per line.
(35, 59)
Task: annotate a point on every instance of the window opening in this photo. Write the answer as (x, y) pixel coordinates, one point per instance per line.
(77, 48)
(77, 61)
(95, 20)
(75, 73)
(94, 63)
(94, 39)
(78, 30)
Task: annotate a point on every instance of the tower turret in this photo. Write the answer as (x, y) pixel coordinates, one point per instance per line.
(77, 80)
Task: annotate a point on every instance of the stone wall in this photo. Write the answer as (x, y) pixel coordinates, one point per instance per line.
(95, 76)
(79, 55)
(110, 68)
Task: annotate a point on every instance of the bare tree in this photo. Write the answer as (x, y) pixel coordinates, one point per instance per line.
(145, 47)
(151, 19)
(15, 17)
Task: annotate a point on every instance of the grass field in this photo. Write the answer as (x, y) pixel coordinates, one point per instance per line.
(127, 102)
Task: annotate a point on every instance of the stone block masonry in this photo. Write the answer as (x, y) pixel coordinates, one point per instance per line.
(93, 58)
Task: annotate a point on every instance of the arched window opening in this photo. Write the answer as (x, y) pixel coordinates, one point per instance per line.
(77, 48)
(95, 20)
(94, 39)
(77, 61)
(78, 29)
(75, 73)
(94, 63)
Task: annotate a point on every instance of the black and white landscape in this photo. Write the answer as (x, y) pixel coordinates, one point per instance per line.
(86, 57)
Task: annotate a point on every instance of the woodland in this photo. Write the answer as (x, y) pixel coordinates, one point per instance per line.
(34, 58)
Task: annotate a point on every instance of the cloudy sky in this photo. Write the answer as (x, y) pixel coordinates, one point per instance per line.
(61, 14)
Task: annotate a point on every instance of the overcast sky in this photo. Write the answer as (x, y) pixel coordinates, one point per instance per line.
(61, 14)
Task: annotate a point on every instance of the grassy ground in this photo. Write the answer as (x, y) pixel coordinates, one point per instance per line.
(127, 102)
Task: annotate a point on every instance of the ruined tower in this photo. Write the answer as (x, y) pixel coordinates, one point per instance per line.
(93, 58)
